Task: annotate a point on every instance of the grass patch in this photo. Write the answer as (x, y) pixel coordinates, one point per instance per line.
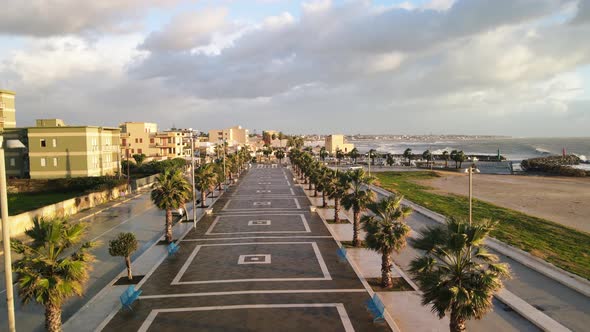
(348, 244)
(399, 285)
(564, 247)
(23, 202)
(342, 221)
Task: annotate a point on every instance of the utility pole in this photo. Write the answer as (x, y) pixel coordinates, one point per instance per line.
(224, 172)
(6, 242)
(128, 172)
(193, 178)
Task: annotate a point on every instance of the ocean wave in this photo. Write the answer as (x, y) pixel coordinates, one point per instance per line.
(542, 151)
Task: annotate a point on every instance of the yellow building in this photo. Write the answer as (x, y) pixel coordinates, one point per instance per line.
(138, 138)
(7, 109)
(56, 150)
(337, 142)
(233, 136)
(170, 144)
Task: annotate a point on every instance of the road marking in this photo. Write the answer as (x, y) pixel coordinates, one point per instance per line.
(339, 307)
(261, 237)
(274, 291)
(303, 220)
(322, 263)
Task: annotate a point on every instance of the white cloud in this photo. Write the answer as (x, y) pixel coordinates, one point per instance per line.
(42, 18)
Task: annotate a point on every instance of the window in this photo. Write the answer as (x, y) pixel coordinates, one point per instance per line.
(54, 142)
(54, 162)
(139, 151)
(43, 162)
(136, 140)
(141, 140)
(12, 162)
(124, 142)
(151, 140)
(43, 143)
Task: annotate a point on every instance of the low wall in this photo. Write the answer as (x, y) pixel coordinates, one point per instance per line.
(142, 182)
(20, 222)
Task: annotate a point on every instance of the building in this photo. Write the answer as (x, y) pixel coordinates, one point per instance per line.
(138, 138)
(233, 136)
(170, 144)
(56, 150)
(7, 109)
(337, 142)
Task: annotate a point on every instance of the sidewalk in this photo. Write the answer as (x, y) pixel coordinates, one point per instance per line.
(106, 302)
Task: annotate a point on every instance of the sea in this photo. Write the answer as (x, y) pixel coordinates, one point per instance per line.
(514, 149)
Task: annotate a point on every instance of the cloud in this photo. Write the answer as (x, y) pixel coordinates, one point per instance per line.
(583, 14)
(43, 18)
(187, 30)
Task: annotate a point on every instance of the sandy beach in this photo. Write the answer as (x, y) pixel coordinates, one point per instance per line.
(559, 199)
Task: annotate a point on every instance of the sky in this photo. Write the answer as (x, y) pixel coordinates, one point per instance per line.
(480, 67)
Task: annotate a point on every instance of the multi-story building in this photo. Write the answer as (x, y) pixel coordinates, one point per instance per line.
(170, 144)
(7, 110)
(56, 150)
(233, 136)
(337, 142)
(138, 138)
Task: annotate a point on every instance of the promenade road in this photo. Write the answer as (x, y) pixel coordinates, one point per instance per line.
(260, 262)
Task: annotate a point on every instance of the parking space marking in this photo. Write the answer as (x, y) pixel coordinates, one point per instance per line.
(303, 220)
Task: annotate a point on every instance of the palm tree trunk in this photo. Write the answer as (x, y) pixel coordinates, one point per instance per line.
(356, 228)
(128, 264)
(203, 198)
(315, 191)
(336, 210)
(52, 317)
(456, 323)
(168, 225)
(324, 203)
(386, 278)
(309, 185)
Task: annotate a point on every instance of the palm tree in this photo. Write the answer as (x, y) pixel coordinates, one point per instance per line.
(357, 199)
(457, 275)
(280, 154)
(386, 232)
(171, 191)
(390, 160)
(445, 157)
(408, 155)
(324, 176)
(372, 156)
(339, 155)
(354, 154)
(205, 180)
(337, 187)
(45, 274)
(428, 156)
(323, 153)
(267, 151)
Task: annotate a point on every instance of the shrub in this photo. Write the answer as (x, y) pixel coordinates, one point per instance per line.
(124, 245)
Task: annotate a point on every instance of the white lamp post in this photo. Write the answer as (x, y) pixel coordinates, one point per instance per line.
(471, 169)
(6, 239)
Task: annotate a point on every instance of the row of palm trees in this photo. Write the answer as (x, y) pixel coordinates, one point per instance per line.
(456, 274)
(54, 264)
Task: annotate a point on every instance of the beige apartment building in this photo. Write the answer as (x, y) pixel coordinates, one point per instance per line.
(233, 136)
(170, 144)
(138, 138)
(337, 142)
(56, 150)
(7, 109)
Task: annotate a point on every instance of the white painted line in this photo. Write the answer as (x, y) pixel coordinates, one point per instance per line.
(261, 237)
(322, 263)
(297, 203)
(212, 226)
(339, 307)
(292, 192)
(254, 259)
(274, 291)
(226, 205)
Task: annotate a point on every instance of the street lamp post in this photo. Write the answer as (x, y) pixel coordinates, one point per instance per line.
(472, 169)
(193, 180)
(6, 242)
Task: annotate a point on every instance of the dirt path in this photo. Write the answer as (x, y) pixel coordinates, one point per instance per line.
(559, 199)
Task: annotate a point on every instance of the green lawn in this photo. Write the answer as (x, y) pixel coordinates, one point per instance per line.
(19, 203)
(557, 244)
